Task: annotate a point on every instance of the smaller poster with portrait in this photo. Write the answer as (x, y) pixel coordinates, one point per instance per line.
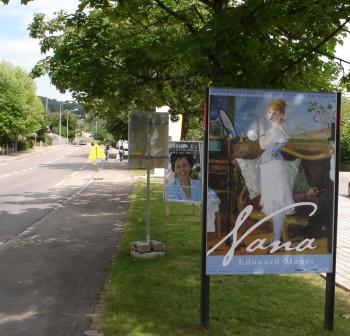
(183, 180)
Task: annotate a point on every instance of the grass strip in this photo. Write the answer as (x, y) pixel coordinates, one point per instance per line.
(160, 297)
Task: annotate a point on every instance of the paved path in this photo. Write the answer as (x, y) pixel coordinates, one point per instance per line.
(53, 272)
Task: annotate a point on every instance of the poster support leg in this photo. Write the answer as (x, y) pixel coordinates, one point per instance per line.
(205, 286)
(167, 210)
(329, 304)
(205, 280)
(148, 204)
(330, 277)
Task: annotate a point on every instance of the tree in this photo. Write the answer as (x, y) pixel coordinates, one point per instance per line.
(345, 131)
(21, 112)
(135, 55)
(53, 105)
(53, 122)
(23, 2)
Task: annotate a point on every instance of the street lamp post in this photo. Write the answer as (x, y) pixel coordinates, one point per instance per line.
(67, 102)
(67, 121)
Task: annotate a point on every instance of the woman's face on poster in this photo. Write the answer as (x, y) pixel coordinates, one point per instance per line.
(274, 116)
(182, 168)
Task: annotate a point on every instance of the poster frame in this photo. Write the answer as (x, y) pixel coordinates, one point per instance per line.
(330, 276)
(176, 197)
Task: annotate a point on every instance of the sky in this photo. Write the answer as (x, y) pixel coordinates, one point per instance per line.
(17, 48)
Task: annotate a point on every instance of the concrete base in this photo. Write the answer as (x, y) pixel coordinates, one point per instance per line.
(144, 249)
(90, 333)
(148, 255)
(157, 246)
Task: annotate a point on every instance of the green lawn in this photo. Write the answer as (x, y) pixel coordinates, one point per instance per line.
(160, 297)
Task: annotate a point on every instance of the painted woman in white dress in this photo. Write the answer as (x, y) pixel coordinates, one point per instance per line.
(276, 186)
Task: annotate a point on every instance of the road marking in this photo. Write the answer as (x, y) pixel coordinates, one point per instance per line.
(17, 172)
(60, 204)
(40, 165)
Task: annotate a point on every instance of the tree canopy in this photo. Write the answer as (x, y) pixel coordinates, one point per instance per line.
(23, 2)
(21, 112)
(54, 105)
(117, 56)
(345, 130)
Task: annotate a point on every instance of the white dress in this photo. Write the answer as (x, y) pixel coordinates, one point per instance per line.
(276, 182)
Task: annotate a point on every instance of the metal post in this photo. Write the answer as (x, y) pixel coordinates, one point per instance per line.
(148, 204)
(67, 126)
(97, 165)
(330, 277)
(205, 280)
(59, 125)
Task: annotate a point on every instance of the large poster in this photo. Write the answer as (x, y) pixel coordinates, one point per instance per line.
(271, 158)
(183, 180)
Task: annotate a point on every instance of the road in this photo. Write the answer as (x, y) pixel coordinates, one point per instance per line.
(60, 223)
(33, 186)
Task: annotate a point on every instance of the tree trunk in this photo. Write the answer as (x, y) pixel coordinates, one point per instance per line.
(15, 144)
(185, 125)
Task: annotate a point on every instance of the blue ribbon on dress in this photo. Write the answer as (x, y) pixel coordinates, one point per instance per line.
(273, 153)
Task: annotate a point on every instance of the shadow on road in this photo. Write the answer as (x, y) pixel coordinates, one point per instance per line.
(103, 164)
(53, 272)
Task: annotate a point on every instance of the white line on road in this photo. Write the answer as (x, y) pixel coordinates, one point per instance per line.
(40, 165)
(31, 227)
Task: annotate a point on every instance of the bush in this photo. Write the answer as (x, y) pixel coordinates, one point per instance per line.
(48, 141)
(345, 132)
(24, 145)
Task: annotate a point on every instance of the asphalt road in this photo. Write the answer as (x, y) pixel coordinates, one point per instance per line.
(34, 185)
(59, 228)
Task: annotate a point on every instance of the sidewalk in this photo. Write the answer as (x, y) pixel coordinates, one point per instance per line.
(53, 273)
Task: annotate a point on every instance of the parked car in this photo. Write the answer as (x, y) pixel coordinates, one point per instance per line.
(82, 142)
